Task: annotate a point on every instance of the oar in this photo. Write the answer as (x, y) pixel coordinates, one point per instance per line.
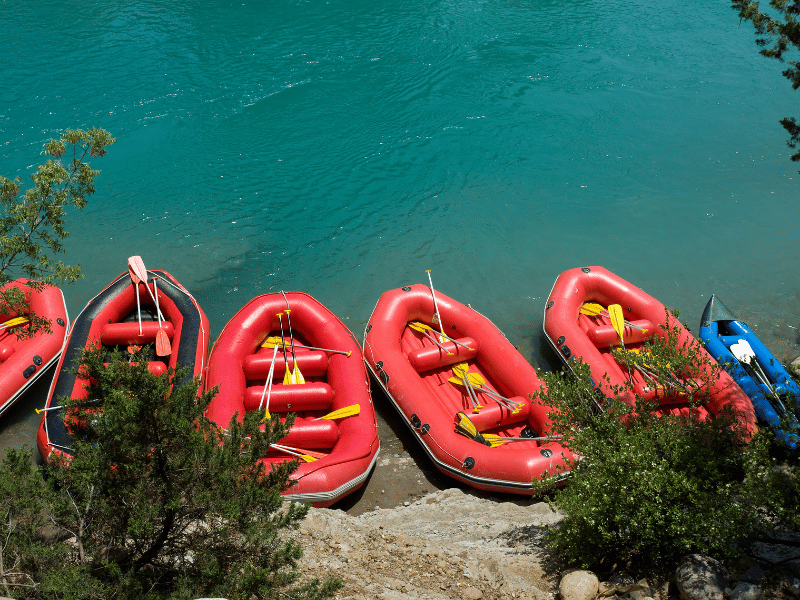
(163, 345)
(268, 387)
(435, 305)
(618, 323)
(136, 265)
(297, 376)
(498, 440)
(743, 352)
(417, 327)
(466, 427)
(347, 411)
(312, 453)
(273, 340)
(462, 370)
(41, 410)
(292, 451)
(593, 309)
(14, 322)
(287, 375)
(135, 279)
(478, 383)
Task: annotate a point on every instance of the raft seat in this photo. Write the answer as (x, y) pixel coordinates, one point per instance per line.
(492, 415)
(604, 336)
(312, 434)
(432, 357)
(298, 397)
(120, 334)
(311, 364)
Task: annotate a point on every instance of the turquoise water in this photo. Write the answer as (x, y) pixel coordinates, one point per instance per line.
(343, 148)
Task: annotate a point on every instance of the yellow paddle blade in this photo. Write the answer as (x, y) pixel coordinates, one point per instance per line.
(297, 376)
(592, 309)
(460, 369)
(417, 326)
(272, 341)
(287, 378)
(617, 319)
(15, 321)
(347, 411)
(467, 428)
(266, 417)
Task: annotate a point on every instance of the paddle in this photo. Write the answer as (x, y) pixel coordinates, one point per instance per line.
(347, 411)
(593, 309)
(418, 326)
(136, 266)
(163, 345)
(294, 452)
(466, 427)
(498, 440)
(436, 306)
(297, 376)
(268, 387)
(312, 453)
(135, 279)
(744, 353)
(462, 370)
(479, 383)
(618, 323)
(14, 322)
(287, 375)
(273, 340)
(41, 410)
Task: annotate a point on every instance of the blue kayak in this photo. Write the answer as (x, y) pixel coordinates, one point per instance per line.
(771, 389)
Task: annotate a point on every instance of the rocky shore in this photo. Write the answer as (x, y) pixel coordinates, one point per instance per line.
(457, 544)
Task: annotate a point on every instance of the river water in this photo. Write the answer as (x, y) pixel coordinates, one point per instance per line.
(342, 148)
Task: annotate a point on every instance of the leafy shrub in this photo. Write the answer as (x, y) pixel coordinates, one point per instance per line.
(648, 487)
(158, 502)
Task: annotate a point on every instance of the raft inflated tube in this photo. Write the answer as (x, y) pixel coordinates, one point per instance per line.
(120, 334)
(493, 415)
(312, 435)
(430, 357)
(291, 397)
(6, 350)
(603, 336)
(311, 364)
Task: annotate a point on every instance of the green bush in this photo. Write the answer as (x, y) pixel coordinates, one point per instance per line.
(650, 488)
(157, 501)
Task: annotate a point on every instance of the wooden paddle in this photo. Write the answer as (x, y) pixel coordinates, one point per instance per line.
(163, 345)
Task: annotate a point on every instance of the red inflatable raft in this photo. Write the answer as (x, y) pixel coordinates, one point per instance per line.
(462, 430)
(112, 319)
(23, 360)
(591, 337)
(337, 453)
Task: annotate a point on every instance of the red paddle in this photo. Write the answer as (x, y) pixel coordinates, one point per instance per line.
(163, 347)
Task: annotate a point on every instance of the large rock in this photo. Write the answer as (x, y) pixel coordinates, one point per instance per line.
(701, 578)
(578, 585)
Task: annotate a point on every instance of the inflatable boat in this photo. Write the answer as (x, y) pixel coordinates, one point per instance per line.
(286, 353)
(112, 319)
(464, 391)
(578, 325)
(24, 358)
(771, 389)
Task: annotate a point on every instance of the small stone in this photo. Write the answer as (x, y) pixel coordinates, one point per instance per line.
(578, 585)
(472, 593)
(746, 591)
